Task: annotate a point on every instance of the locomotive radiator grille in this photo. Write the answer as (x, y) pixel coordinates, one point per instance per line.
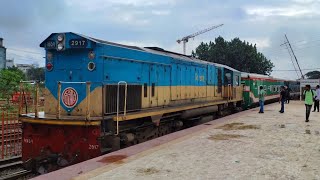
(134, 101)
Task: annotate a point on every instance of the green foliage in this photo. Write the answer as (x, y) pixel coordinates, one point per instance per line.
(237, 54)
(18, 72)
(36, 74)
(9, 82)
(313, 75)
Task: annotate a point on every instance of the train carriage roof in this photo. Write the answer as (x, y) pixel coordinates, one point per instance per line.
(259, 76)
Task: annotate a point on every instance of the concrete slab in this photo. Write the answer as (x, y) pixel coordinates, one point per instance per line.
(246, 146)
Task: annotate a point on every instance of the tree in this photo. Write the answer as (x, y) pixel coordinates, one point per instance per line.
(36, 74)
(17, 71)
(9, 82)
(313, 75)
(237, 54)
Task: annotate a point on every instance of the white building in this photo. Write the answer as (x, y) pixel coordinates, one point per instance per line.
(9, 63)
(24, 67)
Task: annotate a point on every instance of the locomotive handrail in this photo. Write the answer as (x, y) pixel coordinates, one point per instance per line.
(88, 83)
(125, 102)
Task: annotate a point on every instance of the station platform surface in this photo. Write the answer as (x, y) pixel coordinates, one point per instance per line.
(246, 145)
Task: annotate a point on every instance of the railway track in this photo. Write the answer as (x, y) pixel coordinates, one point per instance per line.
(12, 168)
(16, 175)
(6, 162)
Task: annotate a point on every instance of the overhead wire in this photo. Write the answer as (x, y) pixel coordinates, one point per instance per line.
(21, 50)
(296, 47)
(23, 57)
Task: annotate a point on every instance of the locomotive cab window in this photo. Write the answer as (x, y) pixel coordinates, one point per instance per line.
(228, 78)
(237, 81)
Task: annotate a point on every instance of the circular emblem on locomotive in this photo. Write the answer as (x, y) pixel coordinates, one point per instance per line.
(69, 97)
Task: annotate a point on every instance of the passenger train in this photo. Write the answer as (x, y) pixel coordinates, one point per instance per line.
(103, 96)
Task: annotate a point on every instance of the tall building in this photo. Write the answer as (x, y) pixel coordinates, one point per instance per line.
(2, 55)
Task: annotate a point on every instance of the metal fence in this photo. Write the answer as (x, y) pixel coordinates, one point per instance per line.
(11, 134)
(29, 99)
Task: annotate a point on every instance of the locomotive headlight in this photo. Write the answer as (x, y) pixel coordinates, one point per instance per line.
(60, 37)
(60, 46)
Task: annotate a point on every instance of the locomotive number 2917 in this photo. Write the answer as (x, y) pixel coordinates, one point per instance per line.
(78, 43)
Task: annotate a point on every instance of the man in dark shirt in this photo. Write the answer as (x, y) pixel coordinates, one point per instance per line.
(282, 99)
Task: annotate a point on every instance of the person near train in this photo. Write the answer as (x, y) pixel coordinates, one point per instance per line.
(288, 90)
(317, 99)
(262, 94)
(309, 95)
(282, 98)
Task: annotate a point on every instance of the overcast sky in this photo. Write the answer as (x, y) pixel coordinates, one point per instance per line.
(25, 24)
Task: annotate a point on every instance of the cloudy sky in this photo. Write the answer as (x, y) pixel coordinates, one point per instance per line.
(24, 24)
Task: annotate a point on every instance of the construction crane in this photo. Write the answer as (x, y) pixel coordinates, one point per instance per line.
(186, 39)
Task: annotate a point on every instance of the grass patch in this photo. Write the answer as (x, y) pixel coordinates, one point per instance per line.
(237, 126)
(221, 137)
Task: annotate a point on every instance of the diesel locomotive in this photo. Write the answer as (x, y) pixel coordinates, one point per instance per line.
(102, 96)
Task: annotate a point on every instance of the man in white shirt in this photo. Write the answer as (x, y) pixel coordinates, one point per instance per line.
(317, 99)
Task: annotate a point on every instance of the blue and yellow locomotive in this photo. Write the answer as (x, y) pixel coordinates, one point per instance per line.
(101, 96)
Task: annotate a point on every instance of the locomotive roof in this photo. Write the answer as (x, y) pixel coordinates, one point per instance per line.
(157, 50)
(154, 50)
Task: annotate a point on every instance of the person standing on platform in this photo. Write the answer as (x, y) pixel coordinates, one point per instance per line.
(282, 99)
(288, 90)
(261, 94)
(308, 100)
(317, 99)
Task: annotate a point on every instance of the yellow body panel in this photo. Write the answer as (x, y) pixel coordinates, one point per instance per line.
(163, 102)
(96, 99)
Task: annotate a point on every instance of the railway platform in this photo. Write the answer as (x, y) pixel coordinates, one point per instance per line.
(246, 145)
